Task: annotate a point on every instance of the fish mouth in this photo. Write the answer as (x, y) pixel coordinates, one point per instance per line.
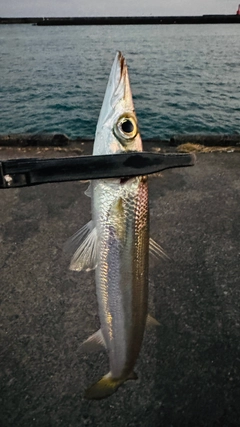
(117, 72)
(120, 77)
(121, 61)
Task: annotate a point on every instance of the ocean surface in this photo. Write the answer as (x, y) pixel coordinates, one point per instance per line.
(185, 79)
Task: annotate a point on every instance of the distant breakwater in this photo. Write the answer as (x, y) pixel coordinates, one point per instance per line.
(129, 20)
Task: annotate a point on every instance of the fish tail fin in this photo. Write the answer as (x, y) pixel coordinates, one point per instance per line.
(103, 388)
(106, 386)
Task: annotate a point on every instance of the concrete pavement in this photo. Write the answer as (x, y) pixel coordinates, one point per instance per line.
(188, 368)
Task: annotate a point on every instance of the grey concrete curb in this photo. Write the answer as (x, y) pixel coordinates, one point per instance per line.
(62, 140)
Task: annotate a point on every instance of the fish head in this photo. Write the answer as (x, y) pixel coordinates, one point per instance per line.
(117, 127)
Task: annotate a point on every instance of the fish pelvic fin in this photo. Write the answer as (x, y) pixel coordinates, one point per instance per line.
(106, 386)
(83, 246)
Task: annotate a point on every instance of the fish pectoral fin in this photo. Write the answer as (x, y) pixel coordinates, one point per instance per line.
(151, 321)
(94, 343)
(83, 246)
(103, 388)
(88, 191)
(156, 250)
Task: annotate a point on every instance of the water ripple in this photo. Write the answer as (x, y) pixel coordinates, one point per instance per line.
(53, 78)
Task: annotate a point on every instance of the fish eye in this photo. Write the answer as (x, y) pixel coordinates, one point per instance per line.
(126, 128)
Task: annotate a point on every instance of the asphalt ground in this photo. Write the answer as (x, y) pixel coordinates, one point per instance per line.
(189, 366)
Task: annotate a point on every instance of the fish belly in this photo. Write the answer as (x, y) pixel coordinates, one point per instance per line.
(121, 218)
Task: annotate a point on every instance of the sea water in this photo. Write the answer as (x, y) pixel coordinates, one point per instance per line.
(184, 78)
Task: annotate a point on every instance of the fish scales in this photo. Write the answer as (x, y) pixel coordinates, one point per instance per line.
(122, 273)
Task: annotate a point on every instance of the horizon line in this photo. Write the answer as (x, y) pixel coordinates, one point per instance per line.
(116, 16)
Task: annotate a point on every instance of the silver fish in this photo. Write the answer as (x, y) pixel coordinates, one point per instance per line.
(116, 241)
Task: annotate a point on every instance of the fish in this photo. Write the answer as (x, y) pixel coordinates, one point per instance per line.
(116, 241)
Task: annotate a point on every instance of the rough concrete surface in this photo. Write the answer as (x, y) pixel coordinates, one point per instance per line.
(188, 368)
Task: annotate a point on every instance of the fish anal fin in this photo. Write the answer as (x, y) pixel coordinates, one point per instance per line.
(94, 343)
(156, 250)
(151, 321)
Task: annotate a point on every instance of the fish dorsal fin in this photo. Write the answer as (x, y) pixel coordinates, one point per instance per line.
(83, 246)
(156, 250)
(94, 343)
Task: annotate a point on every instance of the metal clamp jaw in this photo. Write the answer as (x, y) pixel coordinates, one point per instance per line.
(33, 171)
(13, 180)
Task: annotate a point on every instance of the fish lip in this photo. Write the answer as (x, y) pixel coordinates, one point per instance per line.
(121, 68)
(122, 62)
